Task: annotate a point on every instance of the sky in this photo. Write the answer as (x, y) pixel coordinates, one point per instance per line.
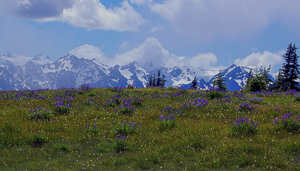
(207, 34)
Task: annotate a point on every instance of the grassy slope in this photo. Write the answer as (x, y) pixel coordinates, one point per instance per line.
(201, 140)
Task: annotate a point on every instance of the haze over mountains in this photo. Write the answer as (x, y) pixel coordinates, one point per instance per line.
(39, 72)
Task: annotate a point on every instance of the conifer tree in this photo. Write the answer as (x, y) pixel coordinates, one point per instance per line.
(279, 84)
(260, 81)
(268, 80)
(150, 84)
(250, 76)
(265, 73)
(194, 83)
(163, 81)
(291, 67)
(158, 84)
(153, 81)
(220, 82)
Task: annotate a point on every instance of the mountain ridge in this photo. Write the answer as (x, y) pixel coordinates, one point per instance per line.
(39, 72)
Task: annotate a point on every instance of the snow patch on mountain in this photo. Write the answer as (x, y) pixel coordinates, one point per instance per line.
(103, 67)
(126, 73)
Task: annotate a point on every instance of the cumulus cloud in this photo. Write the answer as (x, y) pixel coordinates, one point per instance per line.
(90, 14)
(201, 60)
(207, 19)
(151, 50)
(89, 52)
(24, 3)
(257, 59)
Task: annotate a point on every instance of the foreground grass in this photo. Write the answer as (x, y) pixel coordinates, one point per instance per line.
(201, 140)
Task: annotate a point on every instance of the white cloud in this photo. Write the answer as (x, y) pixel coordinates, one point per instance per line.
(207, 19)
(89, 52)
(89, 14)
(24, 2)
(257, 59)
(151, 50)
(202, 60)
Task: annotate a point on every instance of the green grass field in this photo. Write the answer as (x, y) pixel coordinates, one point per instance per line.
(203, 137)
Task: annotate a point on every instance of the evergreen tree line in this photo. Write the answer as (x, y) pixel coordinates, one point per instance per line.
(261, 81)
(157, 82)
(258, 80)
(286, 78)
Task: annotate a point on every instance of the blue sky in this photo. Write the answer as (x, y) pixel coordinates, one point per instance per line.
(209, 34)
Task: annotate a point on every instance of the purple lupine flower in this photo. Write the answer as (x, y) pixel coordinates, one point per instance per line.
(140, 126)
(242, 120)
(87, 127)
(161, 117)
(94, 125)
(247, 120)
(124, 123)
(238, 122)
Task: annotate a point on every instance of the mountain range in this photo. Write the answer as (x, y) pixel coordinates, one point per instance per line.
(39, 72)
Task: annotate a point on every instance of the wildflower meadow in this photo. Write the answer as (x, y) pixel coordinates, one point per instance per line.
(149, 129)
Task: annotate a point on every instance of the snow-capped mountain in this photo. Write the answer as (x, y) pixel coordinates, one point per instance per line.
(39, 72)
(235, 77)
(17, 60)
(41, 59)
(182, 76)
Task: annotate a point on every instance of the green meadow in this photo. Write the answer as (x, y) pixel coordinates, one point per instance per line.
(163, 130)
